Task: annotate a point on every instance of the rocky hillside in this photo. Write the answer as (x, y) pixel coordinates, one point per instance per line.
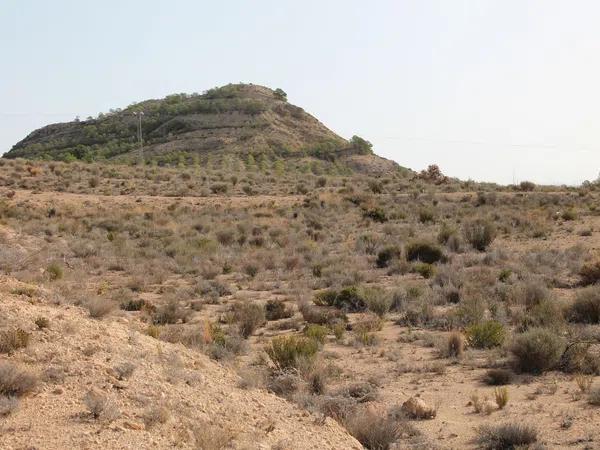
(242, 121)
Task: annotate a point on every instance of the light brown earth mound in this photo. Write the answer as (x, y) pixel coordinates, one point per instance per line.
(197, 399)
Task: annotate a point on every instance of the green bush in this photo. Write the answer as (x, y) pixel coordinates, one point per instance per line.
(479, 233)
(537, 350)
(526, 186)
(316, 332)
(424, 269)
(350, 299)
(386, 255)
(289, 352)
(276, 309)
(486, 335)
(375, 214)
(54, 271)
(569, 214)
(423, 251)
(498, 377)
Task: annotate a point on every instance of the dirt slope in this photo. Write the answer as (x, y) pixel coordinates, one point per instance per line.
(76, 354)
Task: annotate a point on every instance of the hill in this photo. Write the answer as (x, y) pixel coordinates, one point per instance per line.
(241, 121)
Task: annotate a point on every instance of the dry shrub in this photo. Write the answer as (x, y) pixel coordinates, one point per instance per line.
(124, 370)
(479, 233)
(377, 431)
(54, 271)
(586, 307)
(350, 299)
(251, 378)
(590, 273)
(100, 405)
(317, 380)
(156, 414)
(277, 310)
(321, 315)
(455, 346)
(584, 382)
(170, 313)
(42, 322)
(506, 436)
(8, 404)
(11, 340)
(424, 251)
(498, 377)
(378, 300)
(594, 396)
(501, 397)
(99, 307)
(534, 292)
(249, 317)
(578, 358)
(537, 350)
(15, 381)
(191, 336)
(387, 255)
(284, 383)
(476, 402)
(209, 436)
(361, 392)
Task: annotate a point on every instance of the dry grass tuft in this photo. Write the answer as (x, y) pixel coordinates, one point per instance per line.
(101, 406)
(506, 436)
(99, 307)
(14, 380)
(501, 396)
(209, 436)
(11, 340)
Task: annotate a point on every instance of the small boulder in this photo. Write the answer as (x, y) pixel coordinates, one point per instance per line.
(416, 408)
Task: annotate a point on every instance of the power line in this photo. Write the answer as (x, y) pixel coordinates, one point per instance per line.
(588, 149)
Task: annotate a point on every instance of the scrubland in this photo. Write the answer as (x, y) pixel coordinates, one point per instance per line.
(157, 307)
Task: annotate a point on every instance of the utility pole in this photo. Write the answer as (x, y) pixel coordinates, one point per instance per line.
(139, 116)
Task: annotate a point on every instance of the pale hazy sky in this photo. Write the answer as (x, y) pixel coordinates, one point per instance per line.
(485, 89)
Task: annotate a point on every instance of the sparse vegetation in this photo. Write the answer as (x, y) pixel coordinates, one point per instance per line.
(486, 335)
(423, 251)
(290, 351)
(479, 233)
(314, 277)
(12, 340)
(506, 436)
(374, 431)
(498, 377)
(537, 350)
(15, 381)
(100, 405)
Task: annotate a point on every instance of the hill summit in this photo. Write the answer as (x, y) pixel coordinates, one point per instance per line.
(244, 120)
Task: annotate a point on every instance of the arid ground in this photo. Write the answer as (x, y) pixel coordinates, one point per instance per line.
(216, 308)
